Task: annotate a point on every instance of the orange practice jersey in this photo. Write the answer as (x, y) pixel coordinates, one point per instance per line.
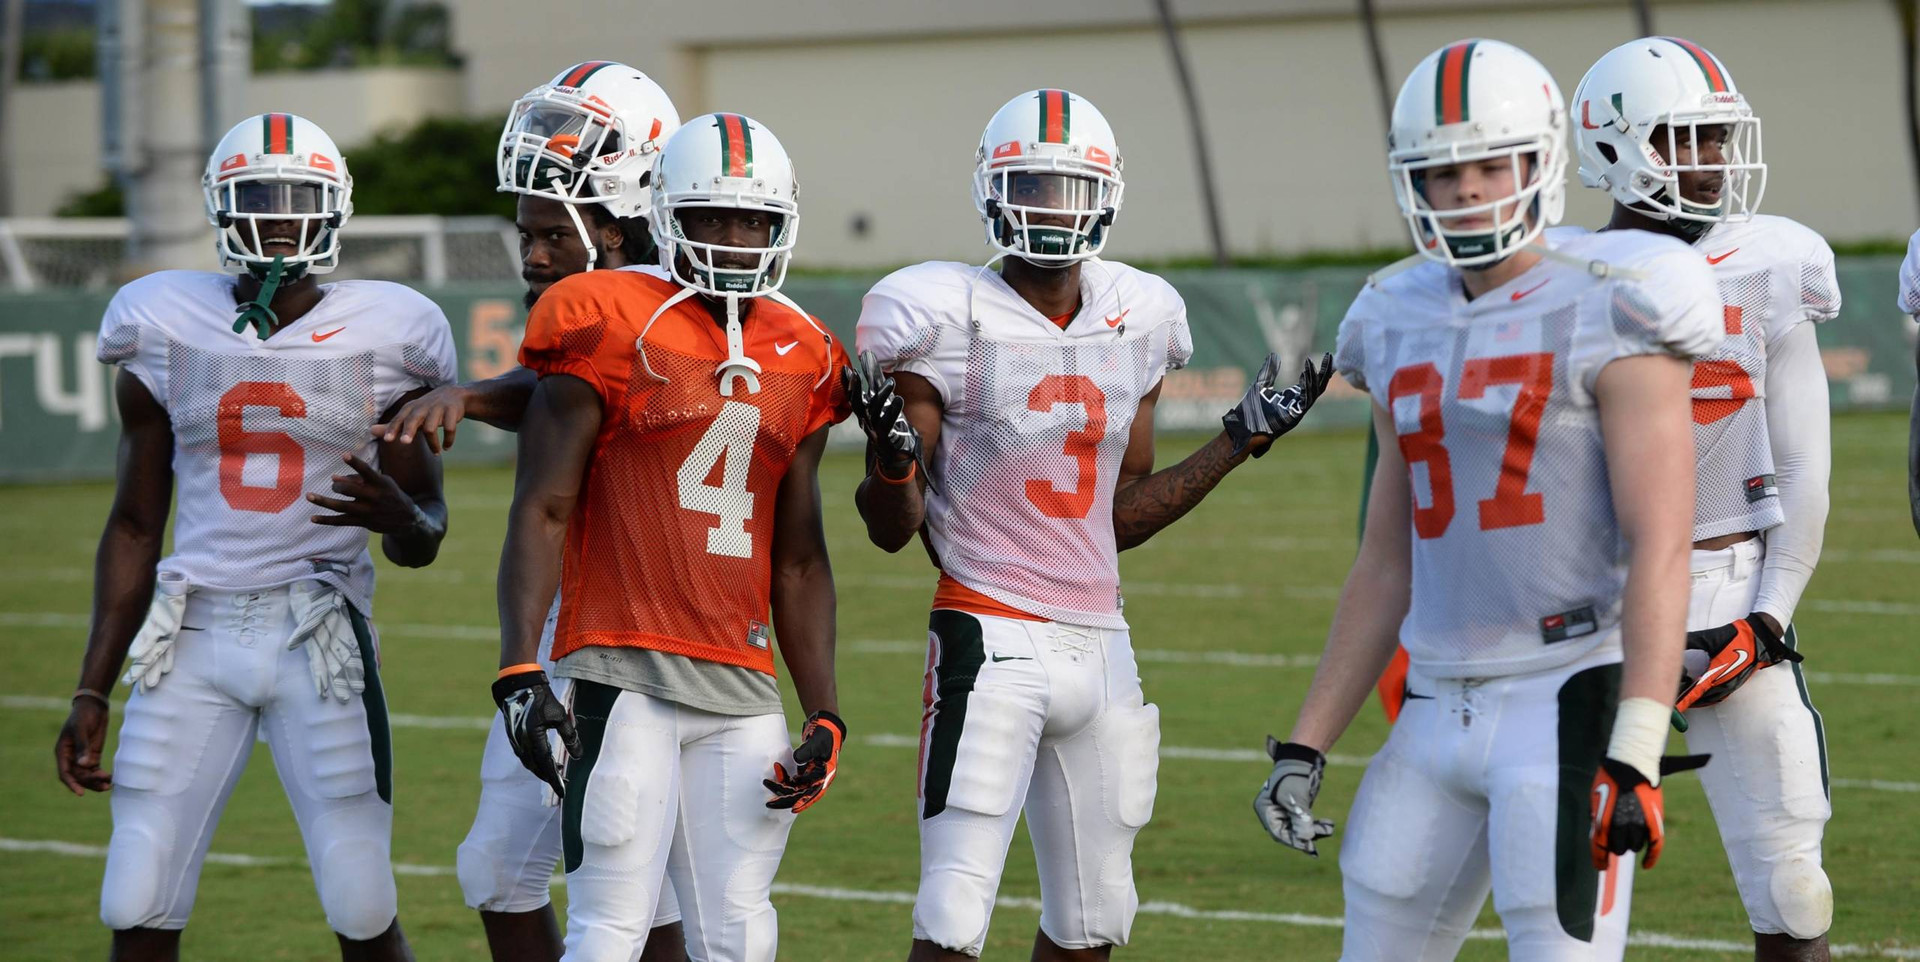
(670, 544)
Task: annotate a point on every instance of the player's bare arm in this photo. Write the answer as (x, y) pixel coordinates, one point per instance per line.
(1145, 501)
(1366, 625)
(803, 597)
(123, 576)
(892, 498)
(1648, 435)
(500, 401)
(563, 418)
(401, 500)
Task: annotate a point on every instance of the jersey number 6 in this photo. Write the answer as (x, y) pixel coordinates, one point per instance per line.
(1511, 505)
(236, 442)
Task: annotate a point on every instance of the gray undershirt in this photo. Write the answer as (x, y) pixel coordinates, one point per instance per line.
(695, 683)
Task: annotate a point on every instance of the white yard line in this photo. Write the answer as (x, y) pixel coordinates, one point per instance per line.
(896, 740)
(1651, 940)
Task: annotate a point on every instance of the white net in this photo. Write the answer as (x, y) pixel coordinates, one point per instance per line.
(45, 252)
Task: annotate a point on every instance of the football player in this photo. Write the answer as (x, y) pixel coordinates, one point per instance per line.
(578, 151)
(1009, 417)
(257, 623)
(1664, 130)
(1526, 539)
(1910, 302)
(667, 478)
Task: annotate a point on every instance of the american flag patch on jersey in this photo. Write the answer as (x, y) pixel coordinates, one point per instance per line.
(1568, 624)
(1761, 488)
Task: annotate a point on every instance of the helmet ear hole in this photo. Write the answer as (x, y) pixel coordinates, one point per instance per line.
(1606, 150)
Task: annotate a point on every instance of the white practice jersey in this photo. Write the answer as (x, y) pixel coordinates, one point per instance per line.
(1773, 274)
(258, 425)
(1910, 277)
(1037, 419)
(1518, 562)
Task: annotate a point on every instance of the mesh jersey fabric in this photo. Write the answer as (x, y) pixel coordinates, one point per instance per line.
(1910, 276)
(1518, 561)
(670, 545)
(1035, 422)
(257, 424)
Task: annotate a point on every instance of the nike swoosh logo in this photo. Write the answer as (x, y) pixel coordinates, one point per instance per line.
(1716, 260)
(1584, 122)
(1410, 696)
(1115, 320)
(997, 657)
(1601, 793)
(1520, 294)
(1739, 659)
(782, 349)
(191, 628)
(318, 337)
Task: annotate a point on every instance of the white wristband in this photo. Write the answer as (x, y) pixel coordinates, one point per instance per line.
(1640, 735)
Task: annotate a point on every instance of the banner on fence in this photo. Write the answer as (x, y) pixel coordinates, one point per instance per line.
(57, 418)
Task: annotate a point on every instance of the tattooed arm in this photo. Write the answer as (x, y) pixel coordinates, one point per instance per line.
(1144, 501)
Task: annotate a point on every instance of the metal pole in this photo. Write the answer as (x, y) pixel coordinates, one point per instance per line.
(1909, 11)
(1378, 54)
(14, 21)
(226, 61)
(1643, 16)
(163, 196)
(1195, 129)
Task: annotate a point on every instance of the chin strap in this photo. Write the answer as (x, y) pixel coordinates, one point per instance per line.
(258, 313)
(593, 250)
(737, 365)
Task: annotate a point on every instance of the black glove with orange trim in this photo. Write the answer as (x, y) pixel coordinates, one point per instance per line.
(1734, 652)
(815, 762)
(529, 710)
(1628, 813)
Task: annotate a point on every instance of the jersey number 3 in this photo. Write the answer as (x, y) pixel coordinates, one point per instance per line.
(1511, 505)
(729, 444)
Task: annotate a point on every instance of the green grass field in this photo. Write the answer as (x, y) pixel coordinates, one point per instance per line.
(1255, 570)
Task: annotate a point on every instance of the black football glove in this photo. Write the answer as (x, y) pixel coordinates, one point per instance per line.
(815, 763)
(1628, 811)
(892, 441)
(1267, 412)
(1734, 652)
(530, 711)
(1285, 802)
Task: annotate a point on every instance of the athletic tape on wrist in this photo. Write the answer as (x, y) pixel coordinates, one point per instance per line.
(1640, 735)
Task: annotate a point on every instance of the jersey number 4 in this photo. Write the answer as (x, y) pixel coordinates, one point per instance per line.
(1511, 505)
(729, 444)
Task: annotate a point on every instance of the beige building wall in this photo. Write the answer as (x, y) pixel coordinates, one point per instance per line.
(881, 104)
(350, 105)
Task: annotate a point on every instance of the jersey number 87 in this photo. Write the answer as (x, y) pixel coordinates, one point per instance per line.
(1511, 505)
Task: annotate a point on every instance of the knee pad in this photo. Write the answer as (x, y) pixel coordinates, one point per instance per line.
(1128, 740)
(1802, 897)
(130, 893)
(356, 887)
(952, 911)
(595, 944)
(506, 862)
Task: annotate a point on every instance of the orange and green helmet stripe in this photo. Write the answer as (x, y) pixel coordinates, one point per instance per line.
(276, 133)
(736, 144)
(578, 73)
(1450, 83)
(1056, 116)
(1709, 65)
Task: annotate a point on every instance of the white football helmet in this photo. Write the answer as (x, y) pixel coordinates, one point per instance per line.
(588, 136)
(1668, 82)
(724, 160)
(1048, 153)
(1475, 100)
(278, 169)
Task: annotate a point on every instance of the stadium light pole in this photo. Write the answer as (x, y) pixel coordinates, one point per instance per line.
(163, 202)
(1909, 13)
(1377, 55)
(1643, 17)
(1202, 157)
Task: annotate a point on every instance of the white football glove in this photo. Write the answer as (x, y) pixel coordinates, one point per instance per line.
(1285, 802)
(333, 653)
(151, 654)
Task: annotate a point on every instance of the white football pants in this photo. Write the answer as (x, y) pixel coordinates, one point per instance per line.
(1484, 785)
(1767, 783)
(1048, 718)
(665, 791)
(184, 743)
